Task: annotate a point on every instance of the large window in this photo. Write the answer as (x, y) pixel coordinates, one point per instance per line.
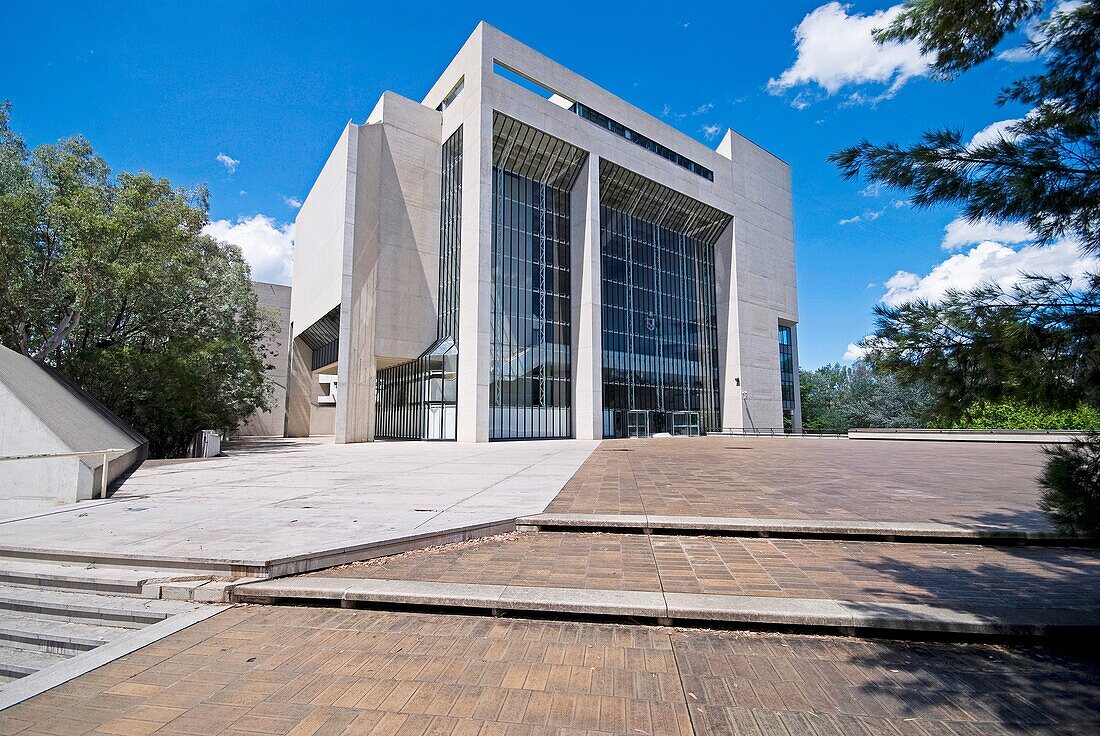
(529, 363)
(659, 319)
(786, 373)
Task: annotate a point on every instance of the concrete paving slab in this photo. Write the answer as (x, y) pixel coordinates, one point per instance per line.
(577, 601)
(417, 593)
(802, 528)
(684, 608)
(298, 502)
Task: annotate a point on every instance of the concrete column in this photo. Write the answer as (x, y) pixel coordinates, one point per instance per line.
(729, 324)
(586, 300)
(355, 402)
(299, 390)
(475, 288)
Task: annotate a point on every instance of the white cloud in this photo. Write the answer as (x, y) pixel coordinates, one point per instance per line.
(871, 190)
(836, 49)
(1035, 34)
(855, 352)
(710, 132)
(990, 262)
(704, 108)
(292, 202)
(268, 246)
(227, 161)
(961, 232)
(993, 132)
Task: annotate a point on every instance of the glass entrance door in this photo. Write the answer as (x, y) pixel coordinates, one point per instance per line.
(637, 423)
(686, 423)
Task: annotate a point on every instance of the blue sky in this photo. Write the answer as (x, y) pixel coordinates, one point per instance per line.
(248, 98)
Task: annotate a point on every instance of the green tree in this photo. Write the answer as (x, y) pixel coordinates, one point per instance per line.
(1036, 343)
(1046, 171)
(836, 397)
(110, 279)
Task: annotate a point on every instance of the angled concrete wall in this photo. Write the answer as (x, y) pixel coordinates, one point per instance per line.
(43, 412)
(276, 298)
(367, 240)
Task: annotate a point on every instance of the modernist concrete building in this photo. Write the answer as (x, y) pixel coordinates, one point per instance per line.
(524, 255)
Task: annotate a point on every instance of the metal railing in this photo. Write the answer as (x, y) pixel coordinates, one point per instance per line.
(88, 453)
(781, 432)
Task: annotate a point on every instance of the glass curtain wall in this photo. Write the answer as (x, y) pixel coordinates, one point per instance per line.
(419, 399)
(659, 319)
(786, 374)
(530, 361)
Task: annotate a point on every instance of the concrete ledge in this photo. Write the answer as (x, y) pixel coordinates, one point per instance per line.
(807, 613)
(289, 565)
(43, 680)
(887, 531)
(1044, 437)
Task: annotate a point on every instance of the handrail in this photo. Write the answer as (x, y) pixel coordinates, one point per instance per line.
(102, 474)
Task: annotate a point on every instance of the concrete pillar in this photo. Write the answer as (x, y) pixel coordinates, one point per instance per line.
(729, 321)
(299, 389)
(475, 288)
(355, 402)
(586, 300)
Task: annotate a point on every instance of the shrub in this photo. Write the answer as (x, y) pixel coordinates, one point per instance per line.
(1011, 415)
(1071, 486)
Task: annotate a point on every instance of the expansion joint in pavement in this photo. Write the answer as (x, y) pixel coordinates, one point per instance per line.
(825, 529)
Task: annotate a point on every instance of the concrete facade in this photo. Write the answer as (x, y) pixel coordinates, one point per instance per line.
(368, 241)
(276, 299)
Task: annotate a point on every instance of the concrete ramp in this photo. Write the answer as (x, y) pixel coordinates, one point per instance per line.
(42, 412)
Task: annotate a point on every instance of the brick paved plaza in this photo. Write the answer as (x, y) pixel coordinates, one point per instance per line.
(878, 480)
(287, 669)
(299, 671)
(964, 574)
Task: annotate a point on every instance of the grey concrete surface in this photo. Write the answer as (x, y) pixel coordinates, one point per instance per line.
(813, 613)
(803, 528)
(298, 501)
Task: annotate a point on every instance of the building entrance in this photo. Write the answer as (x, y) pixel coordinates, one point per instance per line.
(637, 424)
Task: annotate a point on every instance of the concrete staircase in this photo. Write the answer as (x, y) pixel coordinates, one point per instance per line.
(52, 610)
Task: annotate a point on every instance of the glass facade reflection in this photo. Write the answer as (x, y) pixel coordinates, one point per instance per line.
(659, 320)
(529, 353)
(419, 399)
(786, 373)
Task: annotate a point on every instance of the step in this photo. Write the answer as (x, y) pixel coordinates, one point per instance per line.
(84, 607)
(43, 633)
(17, 663)
(854, 529)
(669, 608)
(85, 577)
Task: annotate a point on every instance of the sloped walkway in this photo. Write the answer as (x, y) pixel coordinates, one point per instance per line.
(957, 575)
(276, 507)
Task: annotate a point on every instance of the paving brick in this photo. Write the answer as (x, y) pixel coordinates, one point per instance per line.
(428, 674)
(953, 575)
(945, 482)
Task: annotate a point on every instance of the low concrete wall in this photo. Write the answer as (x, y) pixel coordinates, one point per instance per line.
(42, 412)
(1042, 437)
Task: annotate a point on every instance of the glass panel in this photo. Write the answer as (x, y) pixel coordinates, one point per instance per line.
(529, 364)
(659, 329)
